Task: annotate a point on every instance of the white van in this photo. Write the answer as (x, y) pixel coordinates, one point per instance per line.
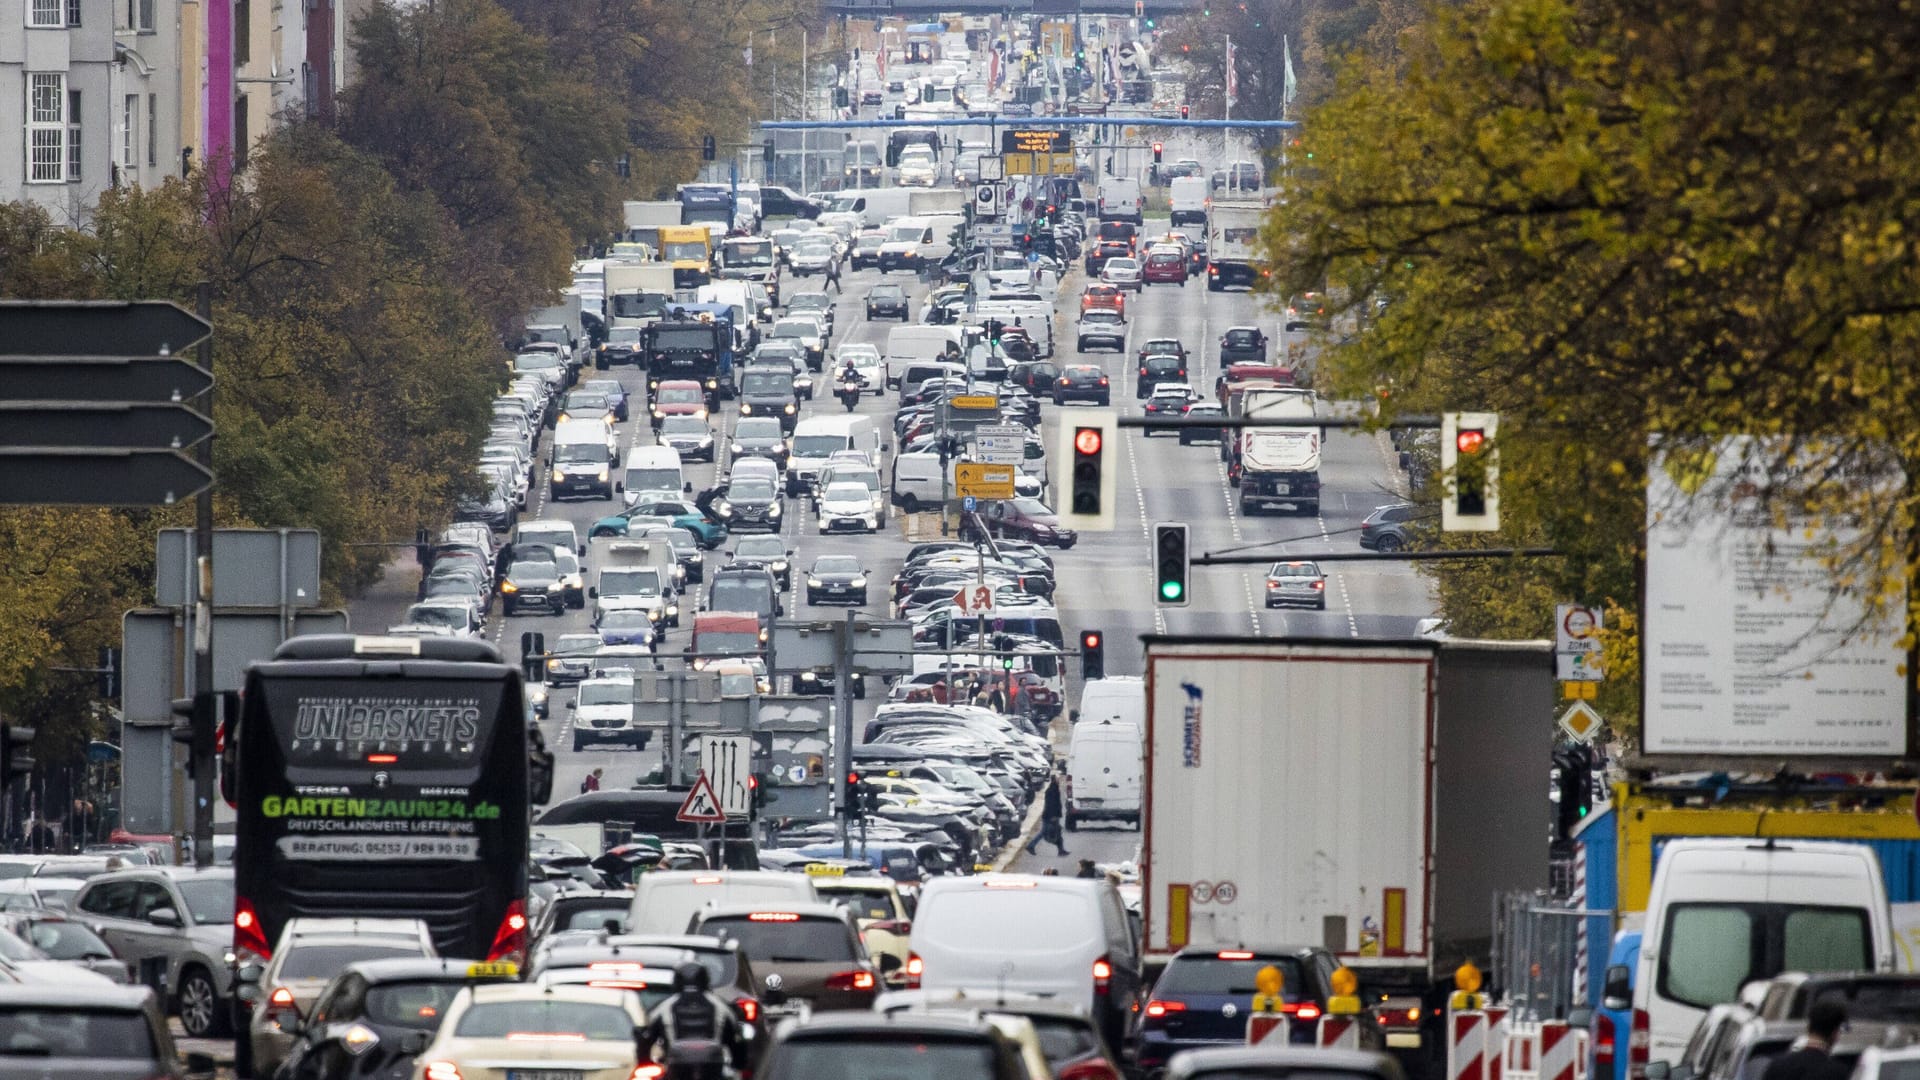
(1121, 200)
(911, 344)
(1104, 772)
(916, 242)
(666, 901)
(1033, 316)
(816, 438)
(1723, 913)
(1189, 198)
(554, 532)
(584, 456)
(1120, 698)
(654, 468)
(1062, 938)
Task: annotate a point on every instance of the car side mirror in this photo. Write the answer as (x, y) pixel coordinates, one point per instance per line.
(1659, 1070)
(687, 488)
(164, 916)
(570, 704)
(773, 995)
(1617, 991)
(1580, 1018)
(1406, 459)
(593, 592)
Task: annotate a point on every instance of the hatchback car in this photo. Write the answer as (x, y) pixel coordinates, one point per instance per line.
(1243, 345)
(548, 1031)
(59, 1030)
(678, 397)
(1191, 435)
(1296, 584)
(1102, 296)
(837, 579)
(1102, 327)
(1203, 996)
(1167, 401)
(1098, 255)
(809, 951)
(889, 301)
(1386, 529)
(372, 1018)
(1121, 273)
(1157, 369)
(1165, 264)
(1082, 382)
(1308, 311)
(689, 435)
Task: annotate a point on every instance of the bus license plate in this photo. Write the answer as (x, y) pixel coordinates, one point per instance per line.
(543, 1074)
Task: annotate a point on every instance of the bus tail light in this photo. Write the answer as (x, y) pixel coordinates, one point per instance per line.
(1102, 974)
(248, 936)
(647, 1070)
(511, 939)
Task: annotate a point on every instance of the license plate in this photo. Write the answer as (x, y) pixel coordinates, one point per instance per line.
(544, 1074)
(1283, 489)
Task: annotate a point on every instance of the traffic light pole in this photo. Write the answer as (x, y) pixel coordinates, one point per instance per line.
(203, 607)
(843, 728)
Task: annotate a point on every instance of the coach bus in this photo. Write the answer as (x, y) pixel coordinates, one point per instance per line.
(385, 777)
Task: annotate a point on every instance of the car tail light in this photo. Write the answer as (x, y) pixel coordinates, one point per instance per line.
(1102, 975)
(1639, 1044)
(1090, 1069)
(892, 926)
(1158, 1009)
(850, 980)
(510, 940)
(1307, 1011)
(1320, 585)
(915, 968)
(748, 1008)
(1063, 380)
(1603, 1037)
(445, 1070)
(247, 933)
(1103, 380)
(646, 1070)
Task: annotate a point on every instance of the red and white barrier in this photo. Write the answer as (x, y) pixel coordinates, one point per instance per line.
(1342, 1031)
(1268, 1029)
(1558, 1056)
(1496, 1042)
(1467, 1045)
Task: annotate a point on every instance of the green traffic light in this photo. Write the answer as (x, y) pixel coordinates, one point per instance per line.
(1171, 590)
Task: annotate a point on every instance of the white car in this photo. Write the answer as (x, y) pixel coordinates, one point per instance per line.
(812, 255)
(440, 618)
(847, 506)
(866, 361)
(603, 712)
(808, 331)
(543, 1029)
(918, 170)
(1124, 273)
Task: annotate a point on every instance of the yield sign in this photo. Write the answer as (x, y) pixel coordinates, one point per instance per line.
(701, 804)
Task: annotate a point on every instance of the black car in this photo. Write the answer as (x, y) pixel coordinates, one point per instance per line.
(762, 436)
(533, 583)
(1082, 382)
(777, 201)
(689, 435)
(1204, 994)
(887, 300)
(1157, 369)
(768, 390)
(621, 347)
(837, 579)
(376, 1015)
(1036, 376)
(745, 589)
(1243, 345)
(765, 553)
(1189, 436)
(866, 249)
(821, 684)
(752, 503)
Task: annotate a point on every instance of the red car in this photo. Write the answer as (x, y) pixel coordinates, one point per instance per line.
(679, 397)
(1102, 295)
(1165, 264)
(1020, 518)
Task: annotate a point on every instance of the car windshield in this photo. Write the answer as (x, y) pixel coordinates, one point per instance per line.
(814, 245)
(325, 961)
(683, 425)
(1107, 318)
(1306, 570)
(1213, 975)
(836, 564)
(862, 905)
(782, 937)
(1243, 337)
(624, 620)
(1032, 507)
(585, 402)
(553, 1018)
(848, 492)
(908, 1056)
(576, 643)
(885, 292)
(757, 429)
(761, 547)
(630, 583)
(683, 250)
(582, 453)
(1890, 1000)
(1162, 364)
(795, 329)
(437, 615)
(767, 382)
(681, 395)
(536, 361)
(65, 940)
(740, 594)
(606, 694)
(46, 1032)
(904, 234)
(748, 252)
(1122, 264)
(753, 489)
(415, 1005)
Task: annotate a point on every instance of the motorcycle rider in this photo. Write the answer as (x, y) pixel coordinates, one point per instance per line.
(693, 1015)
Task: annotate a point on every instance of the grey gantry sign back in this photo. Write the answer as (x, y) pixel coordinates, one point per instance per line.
(92, 403)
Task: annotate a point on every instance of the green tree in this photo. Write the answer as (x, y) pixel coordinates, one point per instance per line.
(1607, 221)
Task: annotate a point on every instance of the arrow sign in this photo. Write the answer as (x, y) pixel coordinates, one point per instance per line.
(100, 378)
(93, 477)
(701, 804)
(99, 327)
(79, 424)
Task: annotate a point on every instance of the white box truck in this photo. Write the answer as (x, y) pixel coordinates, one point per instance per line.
(637, 292)
(1233, 232)
(645, 219)
(1278, 467)
(1356, 795)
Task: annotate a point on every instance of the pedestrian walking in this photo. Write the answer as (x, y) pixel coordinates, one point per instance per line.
(592, 782)
(1051, 808)
(833, 275)
(1812, 1056)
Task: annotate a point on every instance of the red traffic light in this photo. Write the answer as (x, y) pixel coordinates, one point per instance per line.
(1156, 148)
(1090, 639)
(1470, 440)
(1087, 441)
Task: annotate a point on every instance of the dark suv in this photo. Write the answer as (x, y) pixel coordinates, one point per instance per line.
(1204, 994)
(1243, 345)
(1386, 529)
(1155, 370)
(887, 300)
(1082, 382)
(837, 1045)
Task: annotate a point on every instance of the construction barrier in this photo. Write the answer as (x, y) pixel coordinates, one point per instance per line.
(1496, 1042)
(1466, 1045)
(1557, 1051)
(1537, 1050)
(1340, 1031)
(1268, 1029)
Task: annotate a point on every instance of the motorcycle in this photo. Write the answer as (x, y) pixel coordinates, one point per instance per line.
(849, 391)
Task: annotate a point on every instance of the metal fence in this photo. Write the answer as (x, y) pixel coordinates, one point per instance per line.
(1535, 939)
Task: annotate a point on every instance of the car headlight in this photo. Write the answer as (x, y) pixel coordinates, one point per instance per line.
(746, 409)
(603, 472)
(780, 566)
(814, 582)
(559, 474)
(673, 609)
(789, 409)
(655, 613)
(722, 506)
(773, 510)
(554, 665)
(858, 583)
(509, 587)
(736, 446)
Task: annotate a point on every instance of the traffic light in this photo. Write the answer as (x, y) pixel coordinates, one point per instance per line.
(16, 757)
(198, 718)
(1186, 112)
(840, 98)
(533, 647)
(869, 800)
(1090, 484)
(1572, 790)
(850, 806)
(1156, 153)
(707, 148)
(1093, 656)
(1172, 564)
(1470, 462)
(766, 152)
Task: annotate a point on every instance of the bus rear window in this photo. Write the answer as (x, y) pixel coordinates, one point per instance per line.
(330, 724)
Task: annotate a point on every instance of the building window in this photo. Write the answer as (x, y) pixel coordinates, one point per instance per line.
(140, 15)
(153, 125)
(46, 14)
(242, 31)
(73, 136)
(130, 132)
(46, 128)
(73, 13)
(240, 133)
